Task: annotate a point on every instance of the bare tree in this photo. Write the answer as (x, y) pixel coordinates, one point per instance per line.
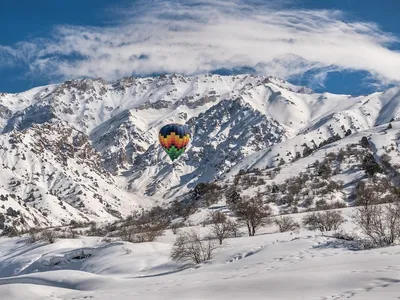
(252, 212)
(323, 221)
(190, 247)
(380, 224)
(49, 236)
(33, 236)
(286, 224)
(375, 191)
(127, 234)
(332, 220)
(148, 236)
(222, 227)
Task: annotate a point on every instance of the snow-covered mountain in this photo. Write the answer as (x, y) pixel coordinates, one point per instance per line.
(88, 150)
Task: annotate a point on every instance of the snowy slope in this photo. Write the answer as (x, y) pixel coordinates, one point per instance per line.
(379, 136)
(267, 266)
(52, 175)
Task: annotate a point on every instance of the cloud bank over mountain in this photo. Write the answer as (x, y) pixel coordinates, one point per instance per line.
(192, 37)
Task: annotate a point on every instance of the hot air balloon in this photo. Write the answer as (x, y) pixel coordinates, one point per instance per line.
(174, 138)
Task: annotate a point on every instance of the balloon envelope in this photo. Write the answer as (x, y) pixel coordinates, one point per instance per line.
(174, 138)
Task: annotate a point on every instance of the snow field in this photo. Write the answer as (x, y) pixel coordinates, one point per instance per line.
(270, 265)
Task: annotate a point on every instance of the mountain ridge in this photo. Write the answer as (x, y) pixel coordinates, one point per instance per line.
(235, 120)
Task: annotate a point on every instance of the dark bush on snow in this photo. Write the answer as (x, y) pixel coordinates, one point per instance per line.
(323, 221)
(189, 247)
(286, 223)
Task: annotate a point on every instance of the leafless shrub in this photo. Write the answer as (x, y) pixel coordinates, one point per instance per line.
(126, 233)
(48, 236)
(341, 235)
(323, 205)
(10, 231)
(252, 212)
(69, 234)
(376, 191)
(33, 236)
(76, 224)
(386, 161)
(190, 247)
(232, 196)
(148, 236)
(323, 169)
(286, 223)
(308, 201)
(320, 204)
(181, 209)
(287, 199)
(334, 186)
(341, 155)
(140, 234)
(222, 227)
(189, 223)
(209, 193)
(379, 224)
(127, 250)
(106, 240)
(323, 221)
(94, 230)
(272, 198)
(261, 181)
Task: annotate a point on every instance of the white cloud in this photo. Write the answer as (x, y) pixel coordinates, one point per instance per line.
(195, 37)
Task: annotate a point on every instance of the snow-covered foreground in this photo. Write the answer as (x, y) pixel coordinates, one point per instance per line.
(267, 266)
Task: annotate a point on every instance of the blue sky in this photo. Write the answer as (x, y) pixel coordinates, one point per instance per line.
(339, 46)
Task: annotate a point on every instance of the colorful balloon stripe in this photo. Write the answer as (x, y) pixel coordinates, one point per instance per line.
(174, 140)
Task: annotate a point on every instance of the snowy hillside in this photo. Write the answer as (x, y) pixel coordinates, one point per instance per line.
(88, 150)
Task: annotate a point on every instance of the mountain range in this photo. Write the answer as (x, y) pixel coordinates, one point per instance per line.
(88, 150)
